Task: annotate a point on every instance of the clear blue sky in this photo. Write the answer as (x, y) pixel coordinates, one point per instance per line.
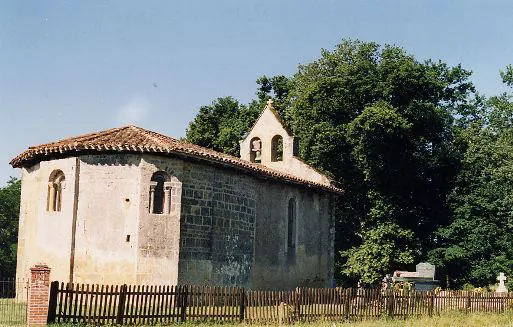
(72, 67)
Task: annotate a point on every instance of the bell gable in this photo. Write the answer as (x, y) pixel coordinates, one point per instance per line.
(271, 144)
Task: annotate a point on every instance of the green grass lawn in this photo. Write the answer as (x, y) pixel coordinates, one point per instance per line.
(446, 320)
(12, 312)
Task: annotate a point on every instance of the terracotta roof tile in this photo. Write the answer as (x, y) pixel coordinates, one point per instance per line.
(135, 139)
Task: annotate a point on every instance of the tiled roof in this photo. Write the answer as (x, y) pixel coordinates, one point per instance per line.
(138, 140)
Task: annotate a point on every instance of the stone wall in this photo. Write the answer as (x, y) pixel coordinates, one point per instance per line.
(217, 231)
(234, 232)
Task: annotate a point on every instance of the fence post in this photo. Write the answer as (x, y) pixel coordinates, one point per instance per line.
(391, 304)
(297, 301)
(52, 304)
(242, 303)
(431, 303)
(184, 303)
(468, 303)
(39, 287)
(121, 305)
(347, 296)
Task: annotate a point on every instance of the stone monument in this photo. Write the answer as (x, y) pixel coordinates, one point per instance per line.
(502, 287)
(423, 278)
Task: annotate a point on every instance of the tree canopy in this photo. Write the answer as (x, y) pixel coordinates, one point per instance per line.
(9, 216)
(477, 244)
(222, 124)
(382, 124)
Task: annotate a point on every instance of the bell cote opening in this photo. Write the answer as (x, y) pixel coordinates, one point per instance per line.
(277, 148)
(255, 154)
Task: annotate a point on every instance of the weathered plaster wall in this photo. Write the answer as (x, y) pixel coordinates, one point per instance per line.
(108, 208)
(45, 236)
(159, 234)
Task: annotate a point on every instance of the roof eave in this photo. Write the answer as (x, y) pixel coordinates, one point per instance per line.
(23, 160)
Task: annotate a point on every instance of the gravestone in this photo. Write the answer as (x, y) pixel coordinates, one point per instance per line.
(423, 278)
(425, 269)
(502, 287)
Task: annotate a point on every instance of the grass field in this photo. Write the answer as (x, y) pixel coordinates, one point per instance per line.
(446, 320)
(12, 312)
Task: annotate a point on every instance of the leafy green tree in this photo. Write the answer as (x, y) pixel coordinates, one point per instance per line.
(222, 125)
(9, 217)
(381, 123)
(384, 246)
(507, 75)
(379, 137)
(276, 87)
(478, 243)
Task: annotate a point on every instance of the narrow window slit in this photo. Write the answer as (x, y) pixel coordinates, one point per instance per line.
(160, 193)
(55, 187)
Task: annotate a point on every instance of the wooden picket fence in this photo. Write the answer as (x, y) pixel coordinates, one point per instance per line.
(149, 305)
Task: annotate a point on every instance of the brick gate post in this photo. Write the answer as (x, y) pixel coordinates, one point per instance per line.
(39, 288)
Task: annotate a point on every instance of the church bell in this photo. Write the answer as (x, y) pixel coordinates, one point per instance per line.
(258, 156)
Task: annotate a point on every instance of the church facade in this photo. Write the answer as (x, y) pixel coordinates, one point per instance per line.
(128, 205)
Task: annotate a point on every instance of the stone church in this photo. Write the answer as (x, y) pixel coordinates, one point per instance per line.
(128, 205)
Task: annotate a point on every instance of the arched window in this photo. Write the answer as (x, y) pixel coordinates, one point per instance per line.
(291, 224)
(255, 154)
(160, 193)
(55, 186)
(277, 148)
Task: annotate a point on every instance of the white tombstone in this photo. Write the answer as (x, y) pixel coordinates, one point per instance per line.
(502, 287)
(425, 269)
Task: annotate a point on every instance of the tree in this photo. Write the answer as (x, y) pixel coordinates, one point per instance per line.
(222, 125)
(276, 87)
(507, 75)
(384, 246)
(478, 244)
(381, 124)
(9, 217)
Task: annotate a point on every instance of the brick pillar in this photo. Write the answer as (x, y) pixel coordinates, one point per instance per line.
(39, 288)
